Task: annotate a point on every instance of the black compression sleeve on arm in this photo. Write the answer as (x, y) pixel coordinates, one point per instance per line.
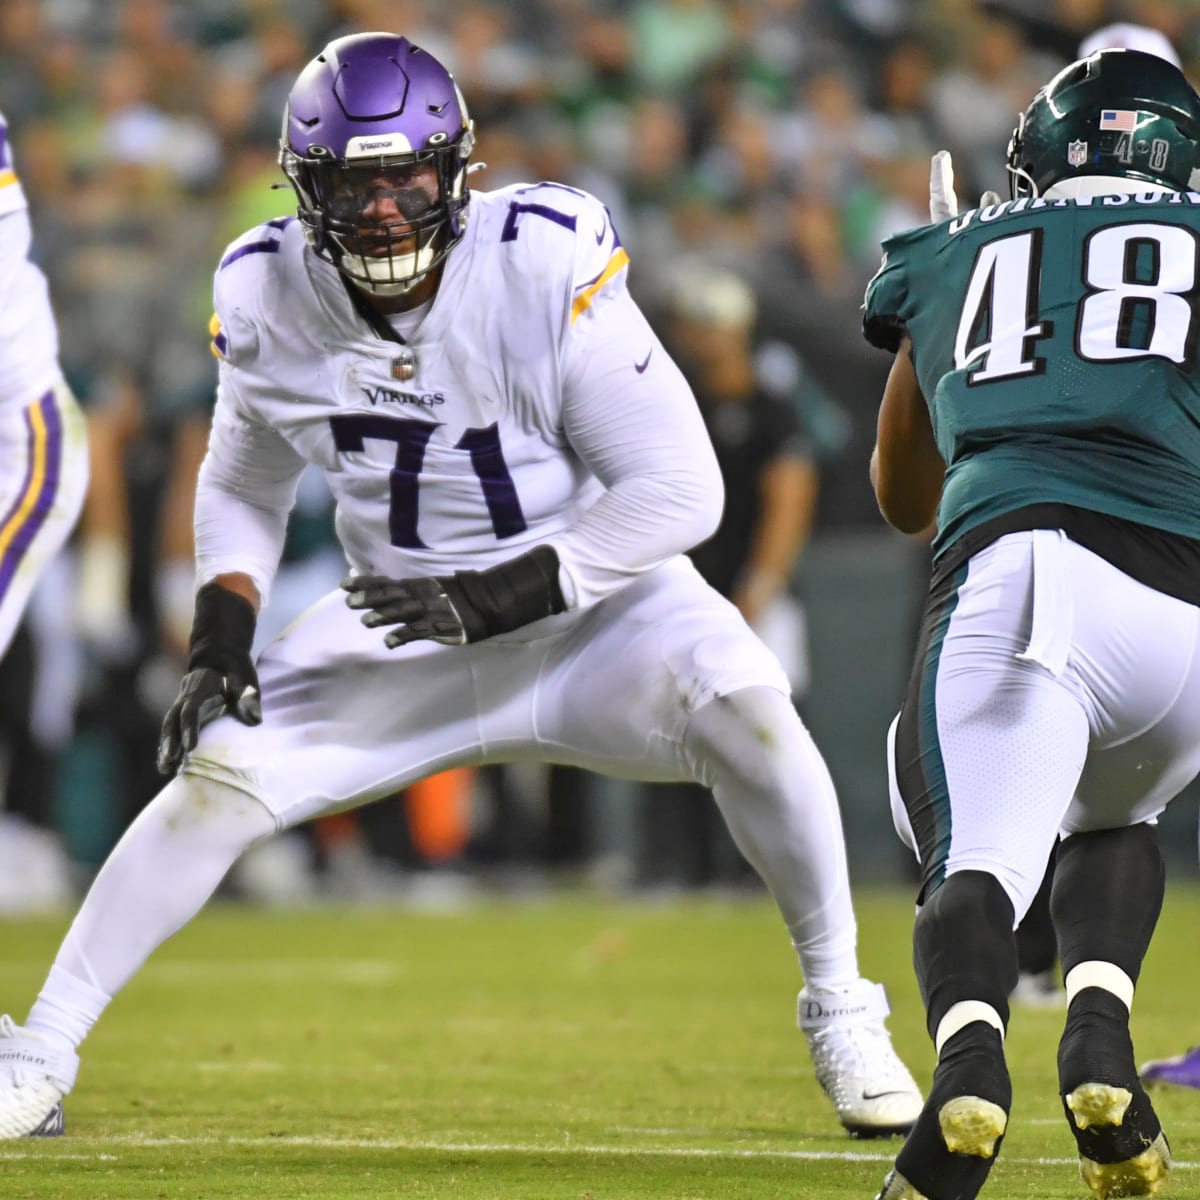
(222, 630)
(509, 595)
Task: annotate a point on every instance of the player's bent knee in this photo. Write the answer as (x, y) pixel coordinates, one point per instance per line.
(753, 735)
(192, 806)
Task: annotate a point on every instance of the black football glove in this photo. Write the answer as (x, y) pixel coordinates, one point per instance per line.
(467, 606)
(221, 676)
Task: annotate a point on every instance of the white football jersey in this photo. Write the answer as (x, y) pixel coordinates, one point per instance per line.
(533, 404)
(28, 337)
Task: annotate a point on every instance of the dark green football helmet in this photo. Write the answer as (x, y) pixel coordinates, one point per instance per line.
(1116, 113)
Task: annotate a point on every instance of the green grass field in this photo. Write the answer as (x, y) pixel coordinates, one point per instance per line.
(580, 1049)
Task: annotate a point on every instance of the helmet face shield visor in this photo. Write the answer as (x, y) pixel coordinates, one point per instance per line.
(370, 196)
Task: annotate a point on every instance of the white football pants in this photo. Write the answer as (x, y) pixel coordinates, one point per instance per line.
(662, 681)
(1051, 693)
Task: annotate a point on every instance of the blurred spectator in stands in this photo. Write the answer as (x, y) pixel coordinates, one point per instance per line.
(655, 175)
(594, 80)
(674, 41)
(975, 100)
(740, 178)
(902, 96)
(24, 35)
(830, 141)
(488, 61)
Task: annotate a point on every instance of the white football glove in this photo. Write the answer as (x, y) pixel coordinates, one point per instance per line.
(943, 203)
(102, 617)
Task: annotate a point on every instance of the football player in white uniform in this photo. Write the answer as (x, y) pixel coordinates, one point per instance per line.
(43, 444)
(518, 467)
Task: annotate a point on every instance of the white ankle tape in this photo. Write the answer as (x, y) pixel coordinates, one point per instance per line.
(1096, 973)
(962, 1014)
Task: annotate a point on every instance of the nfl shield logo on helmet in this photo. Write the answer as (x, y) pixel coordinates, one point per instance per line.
(1077, 153)
(404, 365)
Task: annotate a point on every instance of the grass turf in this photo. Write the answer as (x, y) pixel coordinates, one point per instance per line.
(576, 1050)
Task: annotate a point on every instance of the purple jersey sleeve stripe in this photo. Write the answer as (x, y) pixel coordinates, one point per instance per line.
(268, 247)
(281, 222)
(38, 490)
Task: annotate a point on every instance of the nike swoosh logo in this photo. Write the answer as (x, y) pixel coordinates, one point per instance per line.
(640, 367)
(880, 1095)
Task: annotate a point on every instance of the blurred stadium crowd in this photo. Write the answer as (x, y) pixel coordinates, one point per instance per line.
(768, 143)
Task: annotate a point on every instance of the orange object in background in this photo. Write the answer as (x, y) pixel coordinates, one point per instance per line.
(439, 813)
(336, 828)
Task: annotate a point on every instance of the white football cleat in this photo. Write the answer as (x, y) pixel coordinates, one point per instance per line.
(872, 1090)
(34, 1077)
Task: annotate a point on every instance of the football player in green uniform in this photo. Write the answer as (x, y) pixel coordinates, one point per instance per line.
(1043, 409)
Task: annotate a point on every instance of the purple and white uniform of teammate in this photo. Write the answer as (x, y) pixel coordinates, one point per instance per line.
(43, 448)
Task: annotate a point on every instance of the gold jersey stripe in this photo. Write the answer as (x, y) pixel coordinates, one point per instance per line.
(583, 301)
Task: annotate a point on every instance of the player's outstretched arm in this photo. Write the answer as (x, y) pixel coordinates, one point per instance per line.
(907, 469)
(221, 676)
(467, 606)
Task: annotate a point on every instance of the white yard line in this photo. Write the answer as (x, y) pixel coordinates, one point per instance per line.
(531, 1148)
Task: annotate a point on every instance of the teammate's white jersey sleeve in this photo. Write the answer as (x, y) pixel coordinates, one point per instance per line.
(12, 197)
(28, 336)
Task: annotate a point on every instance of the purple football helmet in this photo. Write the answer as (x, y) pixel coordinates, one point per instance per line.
(376, 141)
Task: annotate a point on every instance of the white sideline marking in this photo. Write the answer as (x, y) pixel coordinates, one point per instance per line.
(330, 1143)
(65, 1157)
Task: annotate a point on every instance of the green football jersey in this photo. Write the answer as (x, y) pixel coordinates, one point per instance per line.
(1055, 342)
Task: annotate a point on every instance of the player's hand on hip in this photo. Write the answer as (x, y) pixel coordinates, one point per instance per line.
(204, 695)
(221, 677)
(467, 606)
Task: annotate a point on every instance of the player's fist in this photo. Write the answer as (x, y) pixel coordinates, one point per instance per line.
(204, 695)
